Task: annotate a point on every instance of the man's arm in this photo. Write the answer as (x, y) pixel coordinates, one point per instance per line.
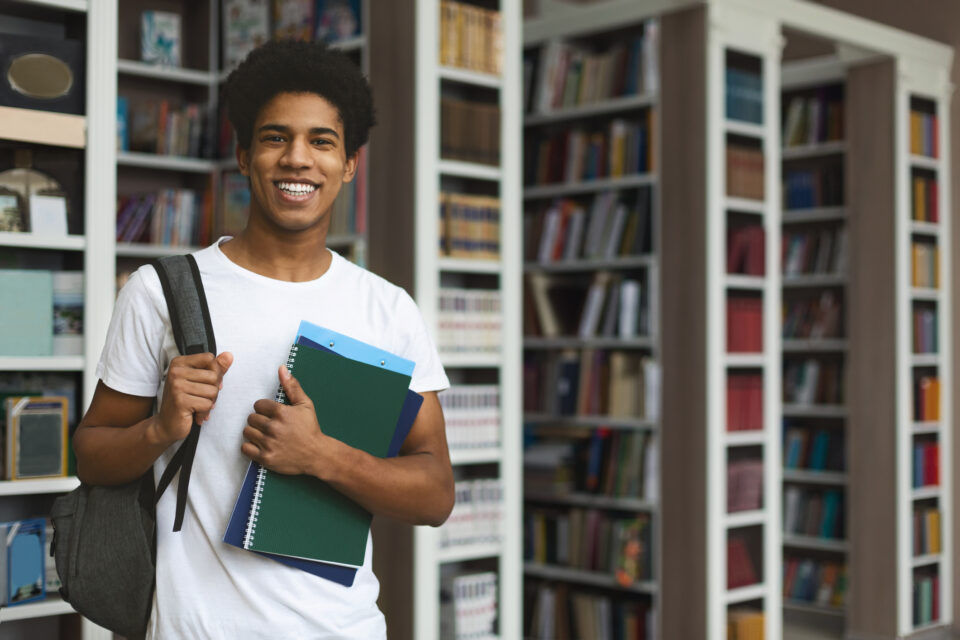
(118, 439)
(415, 487)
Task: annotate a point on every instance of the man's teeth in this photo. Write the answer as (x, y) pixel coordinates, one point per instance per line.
(296, 188)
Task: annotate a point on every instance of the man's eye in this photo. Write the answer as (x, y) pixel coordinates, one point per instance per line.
(321, 142)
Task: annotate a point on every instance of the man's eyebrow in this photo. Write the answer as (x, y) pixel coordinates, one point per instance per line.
(323, 131)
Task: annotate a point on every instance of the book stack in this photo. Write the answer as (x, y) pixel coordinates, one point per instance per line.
(925, 329)
(815, 251)
(468, 321)
(471, 37)
(814, 581)
(746, 250)
(811, 381)
(813, 512)
(744, 485)
(824, 451)
(744, 402)
(744, 95)
(817, 316)
(557, 613)
(744, 324)
(745, 172)
(469, 226)
(618, 463)
(926, 464)
(162, 128)
(549, 467)
(926, 398)
(170, 217)
(477, 514)
(926, 198)
(469, 131)
(926, 597)
(472, 416)
(41, 312)
(814, 117)
(924, 132)
(926, 531)
(925, 260)
(611, 305)
(820, 186)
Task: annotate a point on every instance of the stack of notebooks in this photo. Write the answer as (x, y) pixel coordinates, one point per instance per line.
(361, 396)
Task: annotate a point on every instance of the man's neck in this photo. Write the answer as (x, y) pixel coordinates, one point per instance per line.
(292, 258)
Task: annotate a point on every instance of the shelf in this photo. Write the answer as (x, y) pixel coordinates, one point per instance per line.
(462, 553)
(746, 594)
(746, 438)
(926, 228)
(814, 345)
(473, 170)
(142, 250)
(591, 264)
(925, 493)
(594, 501)
(745, 518)
(815, 543)
(751, 283)
(43, 127)
(742, 128)
(465, 265)
(745, 360)
(586, 343)
(789, 410)
(612, 422)
(807, 476)
(813, 150)
(41, 363)
(925, 293)
(27, 240)
(587, 186)
(813, 607)
(475, 456)
(925, 162)
(925, 428)
(925, 560)
(471, 360)
(81, 6)
(925, 359)
(170, 74)
(814, 280)
(814, 214)
(745, 205)
(593, 578)
(38, 486)
(468, 76)
(613, 105)
(354, 43)
(52, 605)
(166, 163)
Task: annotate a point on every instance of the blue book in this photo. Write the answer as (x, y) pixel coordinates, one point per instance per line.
(22, 568)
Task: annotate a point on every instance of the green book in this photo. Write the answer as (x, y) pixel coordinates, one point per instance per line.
(302, 516)
(26, 312)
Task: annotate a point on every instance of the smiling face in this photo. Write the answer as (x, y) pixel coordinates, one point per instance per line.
(296, 163)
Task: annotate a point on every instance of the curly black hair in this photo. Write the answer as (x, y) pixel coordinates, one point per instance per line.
(293, 66)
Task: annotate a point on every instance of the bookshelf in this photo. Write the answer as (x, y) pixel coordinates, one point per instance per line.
(591, 237)
(62, 144)
(450, 235)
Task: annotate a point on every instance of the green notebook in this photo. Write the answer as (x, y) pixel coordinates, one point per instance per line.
(302, 516)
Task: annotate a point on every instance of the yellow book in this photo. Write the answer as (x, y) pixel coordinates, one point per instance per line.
(919, 200)
(933, 531)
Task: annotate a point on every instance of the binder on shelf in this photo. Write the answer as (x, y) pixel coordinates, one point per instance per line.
(26, 312)
(22, 565)
(36, 437)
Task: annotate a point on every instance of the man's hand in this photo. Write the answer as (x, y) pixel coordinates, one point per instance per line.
(192, 386)
(284, 438)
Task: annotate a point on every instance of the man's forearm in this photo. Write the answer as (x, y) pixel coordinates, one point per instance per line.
(115, 455)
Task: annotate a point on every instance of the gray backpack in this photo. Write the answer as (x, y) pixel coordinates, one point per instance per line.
(104, 539)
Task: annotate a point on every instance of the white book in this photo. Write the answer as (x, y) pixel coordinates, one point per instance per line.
(651, 384)
(548, 236)
(67, 313)
(611, 243)
(651, 470)
(598, 220)
(590, 319)
(840, 252)
(629, 308)
(575, 231)
(651, 62)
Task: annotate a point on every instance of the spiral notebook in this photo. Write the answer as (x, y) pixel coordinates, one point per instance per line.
(358, 402)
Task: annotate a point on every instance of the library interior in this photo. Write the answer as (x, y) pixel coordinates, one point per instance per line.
(687, 265)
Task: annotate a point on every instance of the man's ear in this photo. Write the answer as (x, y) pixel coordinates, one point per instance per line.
(243, 159)
(350, 168)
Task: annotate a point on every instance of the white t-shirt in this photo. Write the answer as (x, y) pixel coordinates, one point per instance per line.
(206, 588)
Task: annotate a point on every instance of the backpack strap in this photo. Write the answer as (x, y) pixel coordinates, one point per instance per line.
(193, 333)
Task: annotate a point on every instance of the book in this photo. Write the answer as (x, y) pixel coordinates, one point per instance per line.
(22, 566)
(67, 313)
(293, 19)
(246, 26)
(36, 438)
(160, 38)
(338, 19)
(26, 312)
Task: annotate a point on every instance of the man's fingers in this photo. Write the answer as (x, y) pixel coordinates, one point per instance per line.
(223, 362)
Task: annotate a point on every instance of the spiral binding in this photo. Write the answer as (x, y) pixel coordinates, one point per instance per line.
(251, 528)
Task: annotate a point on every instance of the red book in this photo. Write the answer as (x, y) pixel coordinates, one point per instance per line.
(933, 201)
(740, 571)
(936, 598)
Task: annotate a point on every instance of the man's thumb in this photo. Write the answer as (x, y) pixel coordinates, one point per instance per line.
(291, 388)
(225, 359)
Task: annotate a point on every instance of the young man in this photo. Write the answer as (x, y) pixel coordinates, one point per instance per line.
(300, 112)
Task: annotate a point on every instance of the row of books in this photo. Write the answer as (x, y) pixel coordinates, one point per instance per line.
(745, 624)
(468, 605)
(160, 127)
(746, 250)
(477, 515)
(926, 398)
(41, 312)
(472, 416)
(609, 305)
(621, 148)
(925, 259)
(744, 324)
(813, 449)
(744, 485)
(469, 130)
(925, 330)
(819, 316)
(558, 612)
(924, 134)
(744, 402)
(820, 186)
(741, 560)
(926, 598)
(745, 177)
(592, 382)
(926, 531)
(815, 251)
(814, 581)
(469, 320)
(744, 95)
(471, 37)
(926, 464)
(569, 75)
(590, 540)
(926, 198)
(814, 118)
(469, 226)
(169, 217)
(812, 382)
(612, 228)
(813, 512)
